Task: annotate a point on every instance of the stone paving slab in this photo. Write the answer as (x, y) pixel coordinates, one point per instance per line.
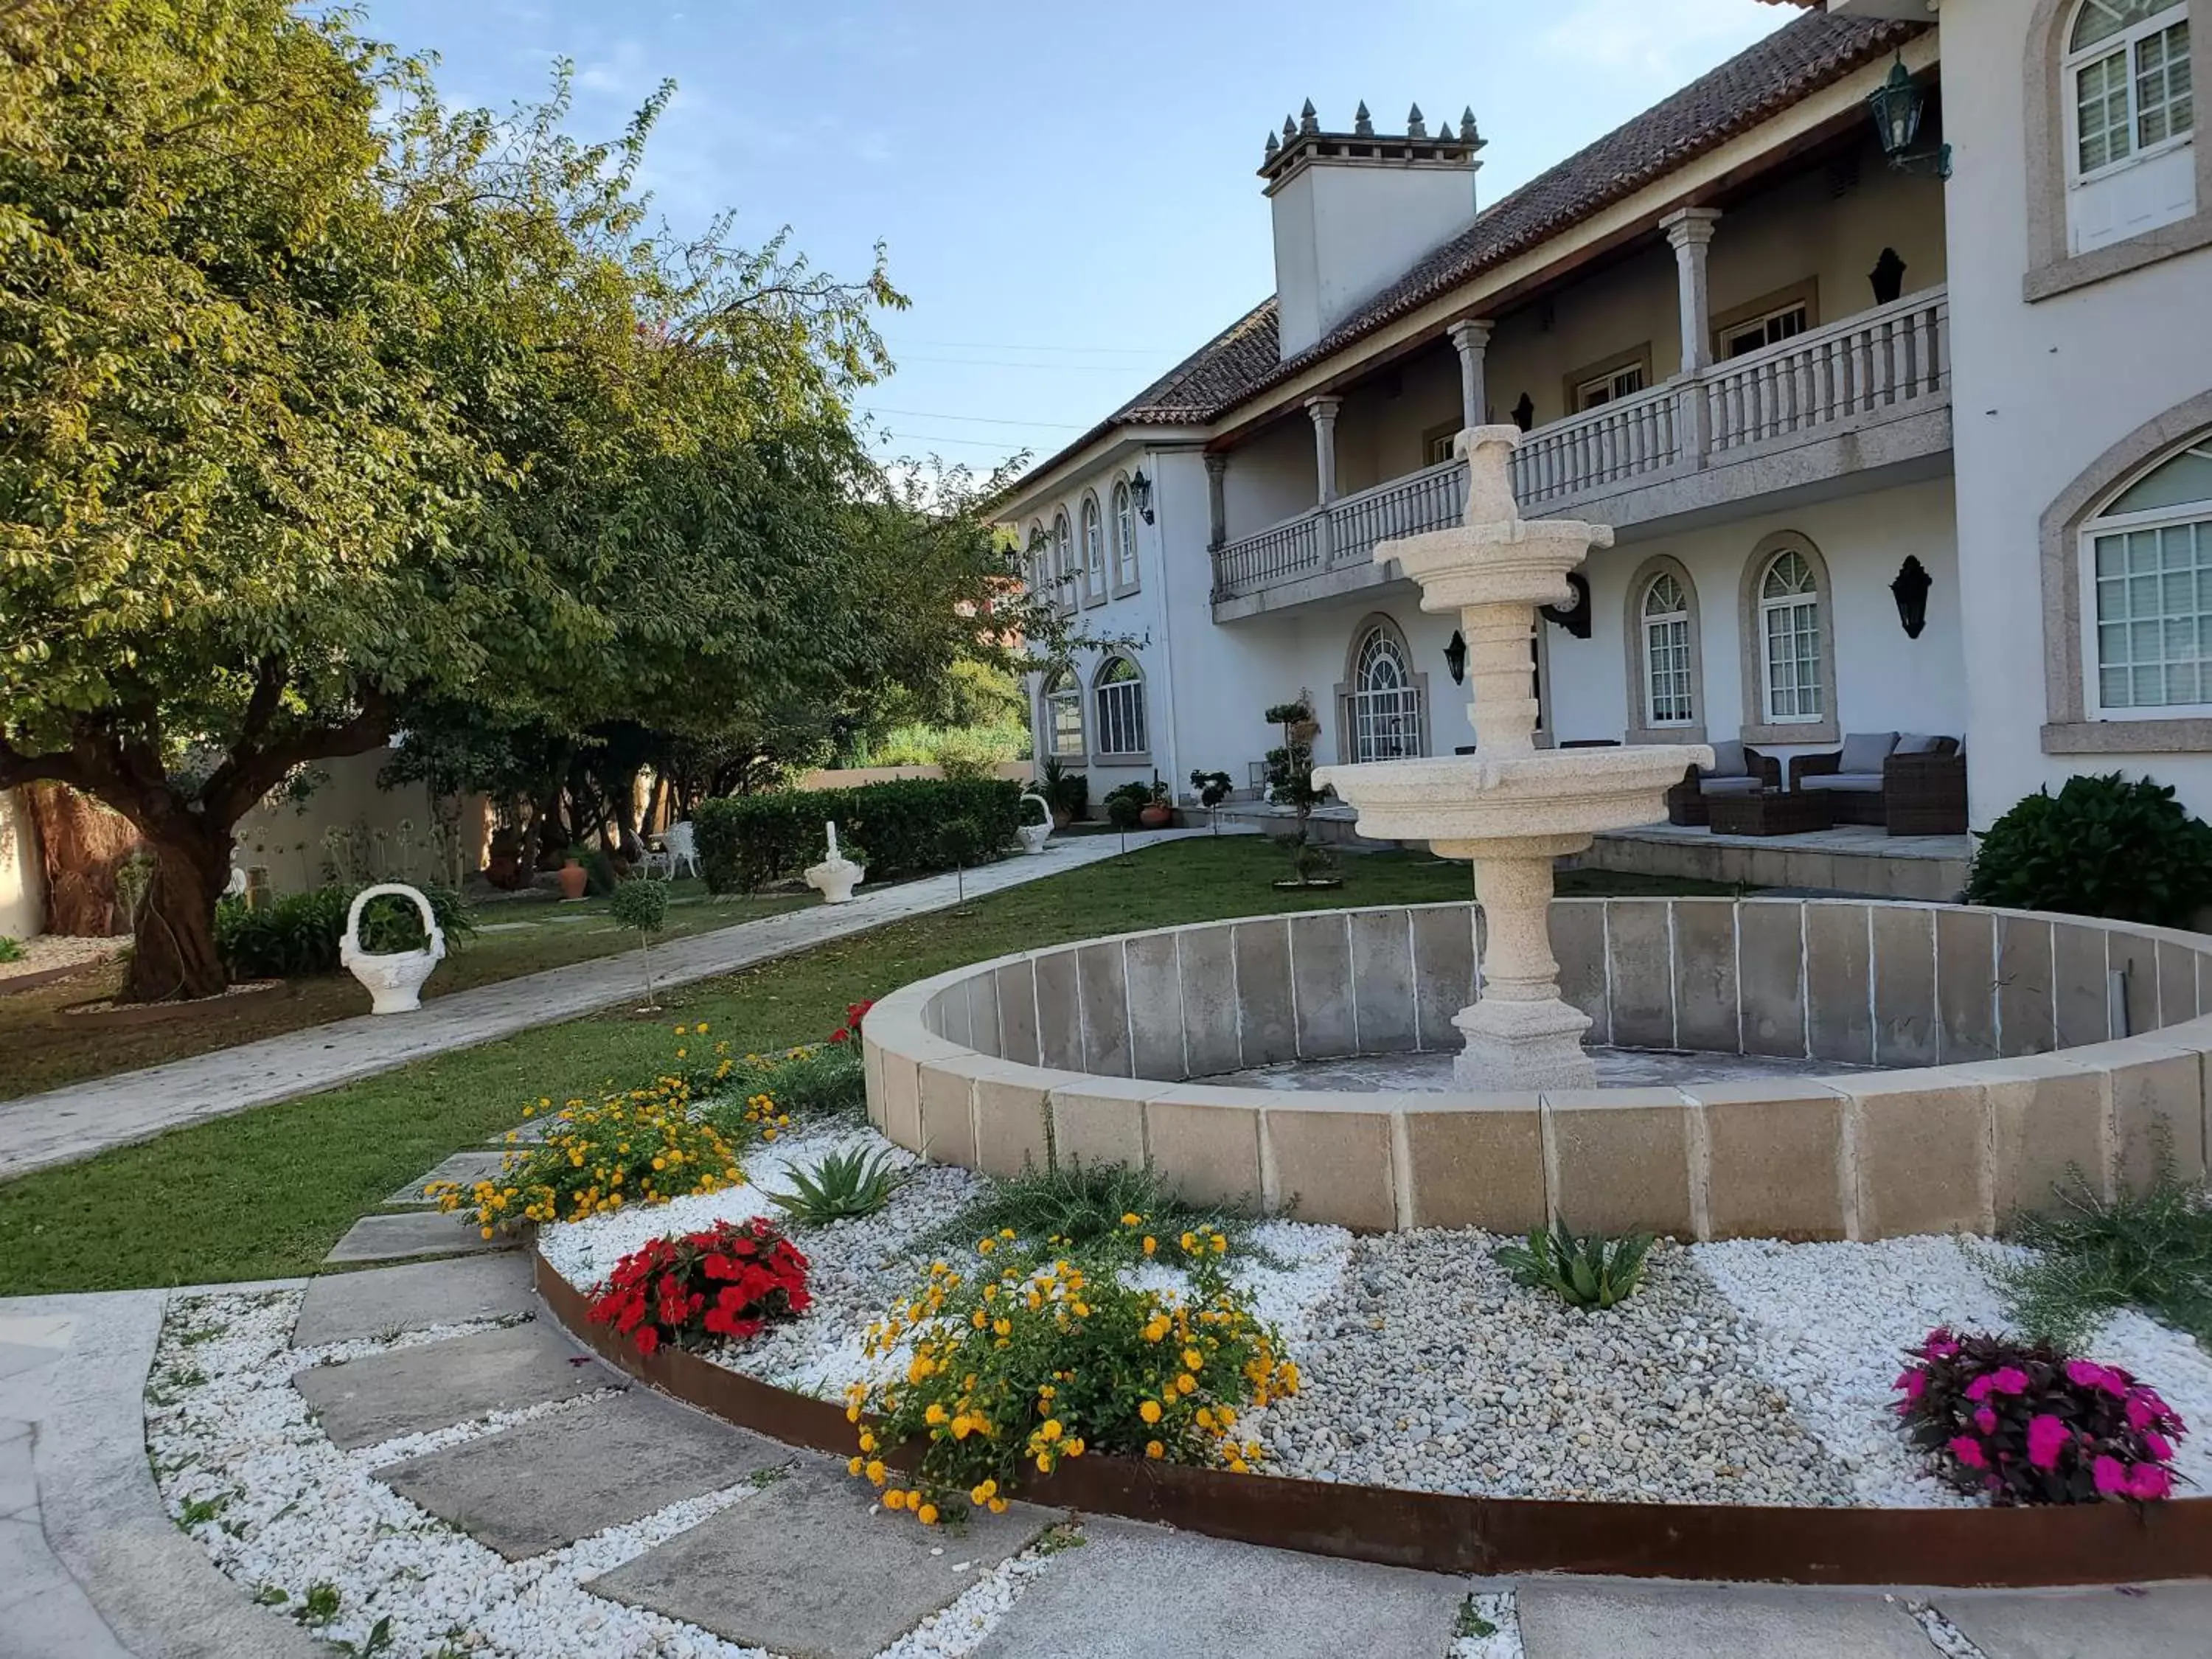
(539, 1486)
(63, 1125)
(464, 1169)
(2152, 1621)
(383, 1301)
(805, 1569)
(365, 1401)
(1134, 1592)
(418, 1232)
(1615, 1620)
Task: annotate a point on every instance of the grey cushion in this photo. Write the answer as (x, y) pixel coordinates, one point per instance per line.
(1865, 751)
(1855, 783)
(1727, 761)
(1914, 743)
(1712, 785)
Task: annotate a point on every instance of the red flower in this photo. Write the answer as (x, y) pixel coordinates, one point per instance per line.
(726, 1283)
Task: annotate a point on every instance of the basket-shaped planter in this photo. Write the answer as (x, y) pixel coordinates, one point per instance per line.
(394, 981)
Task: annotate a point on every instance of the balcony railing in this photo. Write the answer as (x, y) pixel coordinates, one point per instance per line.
(1890, 361)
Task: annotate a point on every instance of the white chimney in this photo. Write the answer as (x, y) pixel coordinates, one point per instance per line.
(1355, 210)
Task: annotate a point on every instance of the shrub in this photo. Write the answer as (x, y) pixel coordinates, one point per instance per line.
(645, 1146)
(9, 950)
(2151, 1251)
(2024, 1423)
(300, 933)
(843, 1187)
(1025, 1362)
(1212, 787)
(1108, 1214)
(724, 1285)
(969, 757)
(2100, 847)
(961, 844)
(641, 904)
(746, 842)
(1592, 1272)
(1064, 790)
(824, 1080)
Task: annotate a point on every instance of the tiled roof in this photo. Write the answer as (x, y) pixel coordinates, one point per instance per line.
(1788, 66)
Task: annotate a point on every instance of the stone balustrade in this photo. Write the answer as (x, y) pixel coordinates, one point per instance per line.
(1987, 1052)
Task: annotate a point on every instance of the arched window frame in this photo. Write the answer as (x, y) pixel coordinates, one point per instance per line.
(1036, 560)
(1117, 701)
(1760, 725)
(1063, 561)
(1643, 726)
(2140, 46)
(2049, 94)
(1125, 539)
(2141, 574)
(1061, 731)
(1094, 549)
(1372, 724)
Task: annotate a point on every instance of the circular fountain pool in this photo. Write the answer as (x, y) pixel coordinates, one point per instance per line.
(1788, 1068)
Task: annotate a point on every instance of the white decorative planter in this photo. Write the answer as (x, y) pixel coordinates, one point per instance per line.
(836, 876)
(1033, 836)
(394, 981)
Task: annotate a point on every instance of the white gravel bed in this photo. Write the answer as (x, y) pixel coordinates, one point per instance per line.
(51, 951)
(958, 1629)
(1431, 1370)
(2172, 1363)
(225, 1426)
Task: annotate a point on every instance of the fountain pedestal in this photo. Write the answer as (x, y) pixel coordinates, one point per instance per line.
(1510, 808)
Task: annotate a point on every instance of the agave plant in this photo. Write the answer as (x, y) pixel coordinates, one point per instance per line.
(843, 1187)
(1592, 1272)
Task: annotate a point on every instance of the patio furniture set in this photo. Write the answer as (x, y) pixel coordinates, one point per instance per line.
(1905, 783)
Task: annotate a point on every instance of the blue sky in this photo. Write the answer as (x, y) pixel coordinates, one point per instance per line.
(1068, 192)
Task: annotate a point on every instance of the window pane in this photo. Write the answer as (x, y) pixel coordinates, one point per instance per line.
(2101, 98)
(2162, 84)
(2178, 481)
(2101, 20)
(2155, 624)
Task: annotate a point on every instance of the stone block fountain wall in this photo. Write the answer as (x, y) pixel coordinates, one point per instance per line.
(2001, 1048)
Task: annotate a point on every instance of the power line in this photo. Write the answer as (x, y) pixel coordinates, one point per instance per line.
(1000, 444)
(971, 420)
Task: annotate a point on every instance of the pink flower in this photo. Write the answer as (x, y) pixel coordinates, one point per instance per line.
(2147, 1483)
(1913, 1381)
(2157, 1445)
(2046, 1438)
(2139, 1414)
(1968, 1450)
(2086, 1374)
(1980, 1386)
(2009, 1379)
(2111, 1480)
(1939, 1344)
(1986, 1420)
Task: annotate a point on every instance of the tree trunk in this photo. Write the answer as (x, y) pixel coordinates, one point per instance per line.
(174, 955)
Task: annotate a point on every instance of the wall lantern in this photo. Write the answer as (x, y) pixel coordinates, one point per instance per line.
(1140, 491)
(1911, 591)
(1575, 617)
(1455, 657)
(1898, 105)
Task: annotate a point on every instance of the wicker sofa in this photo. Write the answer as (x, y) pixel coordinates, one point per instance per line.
(1735, 770)
(1907, 784)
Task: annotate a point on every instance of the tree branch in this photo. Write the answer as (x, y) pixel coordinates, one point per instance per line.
(252, 773)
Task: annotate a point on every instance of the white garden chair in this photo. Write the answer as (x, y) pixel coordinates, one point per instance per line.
(678, 850)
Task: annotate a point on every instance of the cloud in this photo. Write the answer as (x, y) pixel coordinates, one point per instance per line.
(622, 72)
(1667, 41)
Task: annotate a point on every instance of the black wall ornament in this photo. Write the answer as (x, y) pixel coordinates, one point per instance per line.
(1911, 591)
(1455, 657)
(1888, 276)
(1576, 617)
(1524, 412)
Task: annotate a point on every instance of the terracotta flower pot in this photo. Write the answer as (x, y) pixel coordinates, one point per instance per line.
(1157, 817)
(574, 879)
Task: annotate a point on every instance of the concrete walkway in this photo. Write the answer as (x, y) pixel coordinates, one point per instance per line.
(63, 1125)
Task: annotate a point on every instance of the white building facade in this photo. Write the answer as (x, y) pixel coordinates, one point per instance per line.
(1885, 451)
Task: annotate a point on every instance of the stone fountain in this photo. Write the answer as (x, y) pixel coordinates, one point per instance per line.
(1510, 807)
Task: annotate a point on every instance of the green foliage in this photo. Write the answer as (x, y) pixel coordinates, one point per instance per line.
(2101, 847)
(321, 1605)
(962, 751)
(300, 933)
(746, 842)
(1591, 1272)
(961, 844)
(1125, 805)
(1289, 765)
(1087, 1208)
(9, 950)
(843, 1187)
(2095, 1255)
(1064, 790)
(639, 904)
(1212, 787)
(823, 1080)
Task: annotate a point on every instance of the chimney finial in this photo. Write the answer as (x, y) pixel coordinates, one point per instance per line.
(1274, 145)
(1363, 124)
(1289, 130)
(1307, 121)
(1415, 126)
(1467, 131)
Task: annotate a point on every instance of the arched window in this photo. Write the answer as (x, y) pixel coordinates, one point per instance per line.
(1790, 643)
(1063, 560)
(1382, 715)
(1094, 553)
(1036, 555)
(1063, 715)
(2148, 554)
(1125, 537)
(1669, 681)
(2131, 112)
(1121, 698)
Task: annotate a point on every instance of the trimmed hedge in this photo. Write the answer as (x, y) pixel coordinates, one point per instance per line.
(746, 842)
(300, 933)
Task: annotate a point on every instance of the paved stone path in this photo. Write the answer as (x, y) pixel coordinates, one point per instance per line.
(91, 1567)
(63, 1125)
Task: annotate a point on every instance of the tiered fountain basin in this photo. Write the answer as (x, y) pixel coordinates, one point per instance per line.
(1952, 1063)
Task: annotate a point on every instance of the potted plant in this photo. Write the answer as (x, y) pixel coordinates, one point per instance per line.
(1290, 783)
(1158, 811)
(1212, 788)
(1067, 794)
(574, 877)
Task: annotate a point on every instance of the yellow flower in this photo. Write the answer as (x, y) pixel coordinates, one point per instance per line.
(1150, 1245)
(1185, 1384)
(1132, 1220)
(894, 1499)
(1193, 1359)
(997, 1506)
(934, 1415)
(1150, 1411)
(875, 1471)
(927, 1514)
(867, 1441)
(1051, 1430)
(1044, 1462)
(1153, 1449)
(981, 1492)
(855, 1466)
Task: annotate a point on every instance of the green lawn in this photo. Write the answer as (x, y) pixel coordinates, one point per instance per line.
(267, 1193)
(523, 935)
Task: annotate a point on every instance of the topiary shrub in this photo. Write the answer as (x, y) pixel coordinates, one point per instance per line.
(2101, 847)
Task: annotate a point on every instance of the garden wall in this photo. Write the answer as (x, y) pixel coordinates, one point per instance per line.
(23, 878)
(1992, 1050)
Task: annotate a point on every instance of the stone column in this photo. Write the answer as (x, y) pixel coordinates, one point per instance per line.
(1322, 412)
(1690, 232)
(1217, 505)
(1470, 337)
